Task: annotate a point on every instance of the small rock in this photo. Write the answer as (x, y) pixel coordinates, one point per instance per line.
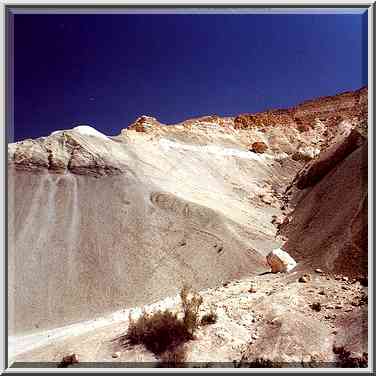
(329, 306)
(259, 147)
(252, 289)
(345, 288)
(116, 354)
(319, 271)
(267, 198)
(305, 278)
(334, 332)
(254, 336)
(253, 320)
(69, 359)
(322, 292)
(338, 306)
(345, 279)
(316, 306)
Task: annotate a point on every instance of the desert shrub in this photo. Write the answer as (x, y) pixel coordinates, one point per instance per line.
(209, 318)
(158, 331)
(163, 331)
(191, 302)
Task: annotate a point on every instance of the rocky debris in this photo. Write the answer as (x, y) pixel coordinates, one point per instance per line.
(319, 271)
(277, 327)
(305, 336)
(280, 261)
(259, 147)
(69, 360)
(116, 354)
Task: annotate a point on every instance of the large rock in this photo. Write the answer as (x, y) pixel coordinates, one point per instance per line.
(280, 261)
(259, 147)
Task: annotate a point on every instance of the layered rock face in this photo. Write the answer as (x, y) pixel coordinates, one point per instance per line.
(328, 223)
(330, 110)
(99, 223)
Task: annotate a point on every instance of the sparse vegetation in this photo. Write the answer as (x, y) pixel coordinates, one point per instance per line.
(191, 302)
(163, 332)
(209, 318)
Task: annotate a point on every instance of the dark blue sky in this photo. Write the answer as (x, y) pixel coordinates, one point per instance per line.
(106, 70)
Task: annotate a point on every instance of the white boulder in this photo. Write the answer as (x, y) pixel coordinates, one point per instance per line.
(280, 261)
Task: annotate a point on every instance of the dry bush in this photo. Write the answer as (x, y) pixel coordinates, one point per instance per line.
(209, 318)
(163, 331)
(158, 331)
(191, 302)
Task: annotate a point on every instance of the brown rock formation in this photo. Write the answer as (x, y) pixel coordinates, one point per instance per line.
(259, 147)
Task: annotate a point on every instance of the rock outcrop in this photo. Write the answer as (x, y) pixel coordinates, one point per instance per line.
(328, 223)
(330, 110)
(78, 152)
(259, 147)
